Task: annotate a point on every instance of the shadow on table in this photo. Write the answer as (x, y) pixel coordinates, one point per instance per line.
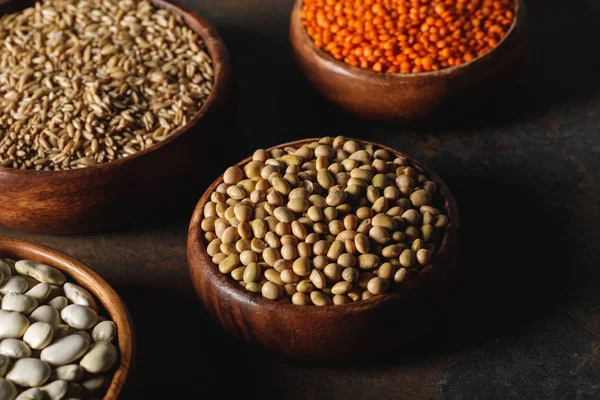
(181, 353)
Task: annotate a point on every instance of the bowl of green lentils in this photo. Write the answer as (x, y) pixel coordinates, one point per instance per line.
(329, 248)
(105, 109)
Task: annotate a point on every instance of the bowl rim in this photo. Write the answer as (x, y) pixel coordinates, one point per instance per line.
(94, 283)
(341, 66)
(197, 248)
(220, 64)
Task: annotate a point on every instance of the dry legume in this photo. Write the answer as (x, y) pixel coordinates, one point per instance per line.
(314, 240)
(55, 342)
(407, 36)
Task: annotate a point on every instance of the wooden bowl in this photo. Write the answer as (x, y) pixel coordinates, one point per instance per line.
(354, 330)
(88, 279)
(114, 194)
(399, 97)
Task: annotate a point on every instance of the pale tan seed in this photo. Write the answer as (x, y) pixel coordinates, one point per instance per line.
(317, 278)
(238, 273)
(289, 276)
(284, 214)
(233, 175)
(274, 276)
(386, 270)
(424, 256)
(305, 286)
(368, 261)
(401, 275)
(350, 275)
(333, 272)
(289, 252)
(420, 197)
(378, 286)
(230, 235)
(341, 288)
(254, 287)
(340, 299)
(301, 299)
(229, 263)
(391, 251)
(271, 255)
(362, 243)
(301, 266)
(252, 273)
(272, 291)
(299, 230)
(407, 258)
(304, 250)
(248, 256)
(320, 298)
(213, 247)
(379, 235)
(347, 260)
(298, 205)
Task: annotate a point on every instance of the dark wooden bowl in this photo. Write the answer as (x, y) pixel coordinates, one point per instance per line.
(399, 97)
(88, 279)
(114, 194)
(354, 330)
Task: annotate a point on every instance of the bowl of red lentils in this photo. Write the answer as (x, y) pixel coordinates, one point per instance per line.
(407, 60)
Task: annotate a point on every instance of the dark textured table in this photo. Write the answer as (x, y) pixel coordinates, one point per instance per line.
(525, 173)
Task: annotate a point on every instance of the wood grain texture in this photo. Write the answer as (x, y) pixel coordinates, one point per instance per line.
(408, 97)
(355, 330)
(114, 194)
(85, 277)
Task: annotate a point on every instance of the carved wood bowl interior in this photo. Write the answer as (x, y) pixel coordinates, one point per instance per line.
(114, 194)
(356, 330)
(397, 97)
(88, 279)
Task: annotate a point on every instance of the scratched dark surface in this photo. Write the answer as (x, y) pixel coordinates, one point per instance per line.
(525, 173)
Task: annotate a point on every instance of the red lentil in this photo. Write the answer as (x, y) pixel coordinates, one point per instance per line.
(407, 36)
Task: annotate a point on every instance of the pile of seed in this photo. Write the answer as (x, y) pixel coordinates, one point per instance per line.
(84, 82)
(407, 36)
(53, 343)
(333, 221)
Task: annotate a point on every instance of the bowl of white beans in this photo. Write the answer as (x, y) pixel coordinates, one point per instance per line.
(328, 248)
(64, 332)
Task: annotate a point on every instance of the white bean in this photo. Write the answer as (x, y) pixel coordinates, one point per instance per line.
(12, 324)
(14, 284)
(78, 295)
(15, 348)
(55, 390)
(79, 317)
(69, 373)
(45, 314)
(101, 357)
(41, 272)
(39, 335)
(31, 394)
(19, 303)
(39, 292)
(65, 351)
(59, 302)
(104, 331)
(29, 372)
